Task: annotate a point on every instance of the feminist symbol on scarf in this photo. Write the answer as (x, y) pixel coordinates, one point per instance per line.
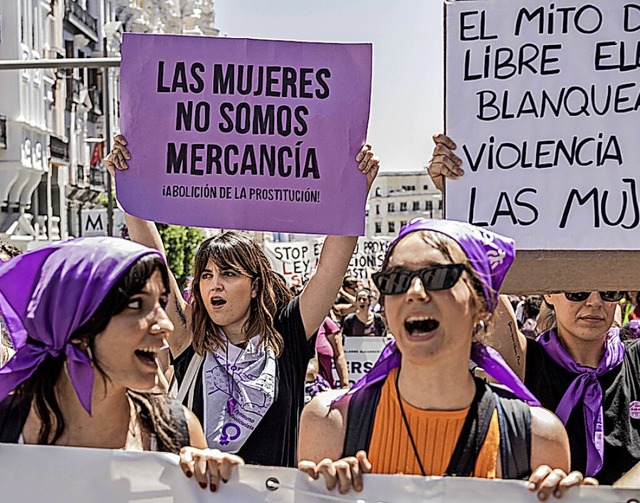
(224, 437)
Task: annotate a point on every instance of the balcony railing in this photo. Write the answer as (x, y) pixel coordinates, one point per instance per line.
(80, 18)
(59, 149)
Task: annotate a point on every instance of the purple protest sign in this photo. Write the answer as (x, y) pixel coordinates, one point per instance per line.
(245, 134)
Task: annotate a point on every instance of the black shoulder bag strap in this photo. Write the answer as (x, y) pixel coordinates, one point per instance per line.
(360, 418)
(474, 431)
(515, 437)
(179, 421)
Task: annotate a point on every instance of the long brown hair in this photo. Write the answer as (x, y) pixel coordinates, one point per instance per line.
(238, 252)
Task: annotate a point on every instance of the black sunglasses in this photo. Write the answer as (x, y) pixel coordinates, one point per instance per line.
(582, 296)
(437, 277)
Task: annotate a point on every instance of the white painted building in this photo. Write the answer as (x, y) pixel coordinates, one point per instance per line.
(29, 30)
(52, 122)
(397, 197)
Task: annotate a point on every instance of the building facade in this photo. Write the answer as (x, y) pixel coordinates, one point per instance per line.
(53, 129)
(397, 197)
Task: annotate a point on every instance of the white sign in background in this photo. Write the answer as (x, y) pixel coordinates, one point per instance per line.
(77, 475)
(297, 260)
(543, 101)
(361, 353)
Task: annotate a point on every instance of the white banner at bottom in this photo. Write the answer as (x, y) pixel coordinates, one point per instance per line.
(36, 474)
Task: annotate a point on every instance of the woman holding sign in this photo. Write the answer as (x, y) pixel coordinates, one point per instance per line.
(241, 346)
(419, 410)
(580, 368)
(87, 321)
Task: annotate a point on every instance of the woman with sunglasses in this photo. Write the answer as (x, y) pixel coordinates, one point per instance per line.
(579, 368)
(419, 410)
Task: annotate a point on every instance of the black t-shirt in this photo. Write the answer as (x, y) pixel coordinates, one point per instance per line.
(274, 441)
(352, 326)
(548, 381)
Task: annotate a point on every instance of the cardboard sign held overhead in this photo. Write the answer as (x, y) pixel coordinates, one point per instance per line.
(245, 134)
(543, 101)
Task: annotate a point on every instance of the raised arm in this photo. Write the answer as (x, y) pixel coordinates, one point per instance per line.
(146, 233)
(505, 337)
(320, 293)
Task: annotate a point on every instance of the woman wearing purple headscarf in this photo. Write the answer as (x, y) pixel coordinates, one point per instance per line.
(579, 368)
(87, 321)
(420, 410)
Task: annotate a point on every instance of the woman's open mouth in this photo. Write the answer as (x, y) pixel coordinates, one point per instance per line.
(420, 327)
(148, 356)
(217, 302)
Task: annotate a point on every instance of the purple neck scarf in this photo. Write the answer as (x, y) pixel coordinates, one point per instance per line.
(47, 294)
(487, 358)
(586, 389)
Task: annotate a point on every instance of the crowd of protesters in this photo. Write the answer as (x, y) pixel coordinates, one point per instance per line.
(259, 372)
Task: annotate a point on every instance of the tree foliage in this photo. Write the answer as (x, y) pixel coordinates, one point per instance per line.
(180, 245)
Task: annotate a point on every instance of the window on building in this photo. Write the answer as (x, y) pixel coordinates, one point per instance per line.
(391, 207)
(428, 205)
(378, 227)
(377, 209)
(403, 223)
(392, 227)
(403, 206)
(416, 205)
(440, 204)
(425, 187)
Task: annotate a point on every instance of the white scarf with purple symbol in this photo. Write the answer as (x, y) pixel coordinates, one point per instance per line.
(239, 388)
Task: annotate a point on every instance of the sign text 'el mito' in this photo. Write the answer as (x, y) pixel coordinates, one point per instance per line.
(540, 49)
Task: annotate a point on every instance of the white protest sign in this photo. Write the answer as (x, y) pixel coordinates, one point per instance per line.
(296, 260)
(76, 475)
(543, 102)
(368, 256)
(361, 353)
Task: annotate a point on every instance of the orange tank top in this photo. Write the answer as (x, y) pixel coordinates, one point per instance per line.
(434, 431)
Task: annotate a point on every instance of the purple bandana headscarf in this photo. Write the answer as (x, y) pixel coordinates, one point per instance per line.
(585, 388)
(47, 294)
(490, 255)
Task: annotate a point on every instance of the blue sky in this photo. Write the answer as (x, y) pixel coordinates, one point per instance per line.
(407, 96)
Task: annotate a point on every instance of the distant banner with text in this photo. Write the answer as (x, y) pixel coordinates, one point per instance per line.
(544, 105)
(297, 260)
(244, 133)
